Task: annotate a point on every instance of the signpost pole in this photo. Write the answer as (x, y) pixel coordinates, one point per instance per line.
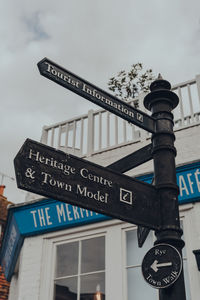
(161, 101)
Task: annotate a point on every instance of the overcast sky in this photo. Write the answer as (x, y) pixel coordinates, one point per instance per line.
(92, 38)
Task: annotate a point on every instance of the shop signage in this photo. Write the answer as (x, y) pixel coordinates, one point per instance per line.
(9, 248)
(83, 88)
(52, 173)
(49, 215)
(162, 266)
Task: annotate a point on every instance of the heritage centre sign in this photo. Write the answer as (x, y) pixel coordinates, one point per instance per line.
(52, 173)
(96, 95)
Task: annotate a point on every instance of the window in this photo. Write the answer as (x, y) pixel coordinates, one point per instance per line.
(80, 270)
(97, 262)
(137, 288)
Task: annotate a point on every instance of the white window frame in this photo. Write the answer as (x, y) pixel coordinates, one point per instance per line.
(189, 214)
(79, 274)
(125, 229)
(114, 231)
(113, 262)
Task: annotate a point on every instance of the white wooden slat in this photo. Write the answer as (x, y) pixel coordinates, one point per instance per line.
(108, 128)
(66, 135)
(100, 130)
(190, 102)
(81, 135)
(116, 131)
(74, 135)
(59, 136)
(124, 132)
(52, 136)
(90, 133)
(181, 105)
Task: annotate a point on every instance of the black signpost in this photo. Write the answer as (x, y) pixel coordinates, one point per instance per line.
(53, 173)
(161, 101)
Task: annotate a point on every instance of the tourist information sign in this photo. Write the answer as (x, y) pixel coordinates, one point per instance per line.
(52, 173)
(96, 95)
(162, 266)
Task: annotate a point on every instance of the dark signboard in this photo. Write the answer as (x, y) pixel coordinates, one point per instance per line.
(96, 95)
(52, 173)
(142, 234)
(132, 160)
(162, 266)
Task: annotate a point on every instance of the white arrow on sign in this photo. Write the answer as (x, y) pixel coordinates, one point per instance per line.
(155, 266)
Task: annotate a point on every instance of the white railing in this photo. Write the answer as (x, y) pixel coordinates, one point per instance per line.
(101, 130)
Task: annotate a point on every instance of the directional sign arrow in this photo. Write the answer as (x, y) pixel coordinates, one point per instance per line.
(52, 173)
(96, 95)
(162, 266)
(155, 265)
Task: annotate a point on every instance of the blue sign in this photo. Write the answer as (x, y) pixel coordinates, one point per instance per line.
(51, 215)
(10, 247)
(189, 183)
(188, 180)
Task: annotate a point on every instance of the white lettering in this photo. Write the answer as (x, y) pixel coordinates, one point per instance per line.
(41, 217)
(166, 280)
(60, 212)
(34, 218)
(197, 179)
(160, 252)
(190, 182)
(99, 179)
(182, 186)
(108, 101)
(97, 196)
(51, 181)
(68, 213)
(36, 156)
(47, 216)
(75, 211)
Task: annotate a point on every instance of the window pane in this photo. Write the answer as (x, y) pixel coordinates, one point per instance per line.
(138, 289)
(135, 255)
(67, 259)
(93, 287)
(184, 250)
(186, 278)
(185, 267)
(93, 255)
(66, 289)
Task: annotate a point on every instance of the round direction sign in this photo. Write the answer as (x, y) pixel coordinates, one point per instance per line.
(162, 266)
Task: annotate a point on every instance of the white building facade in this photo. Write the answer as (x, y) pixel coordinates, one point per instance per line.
(55, 251)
